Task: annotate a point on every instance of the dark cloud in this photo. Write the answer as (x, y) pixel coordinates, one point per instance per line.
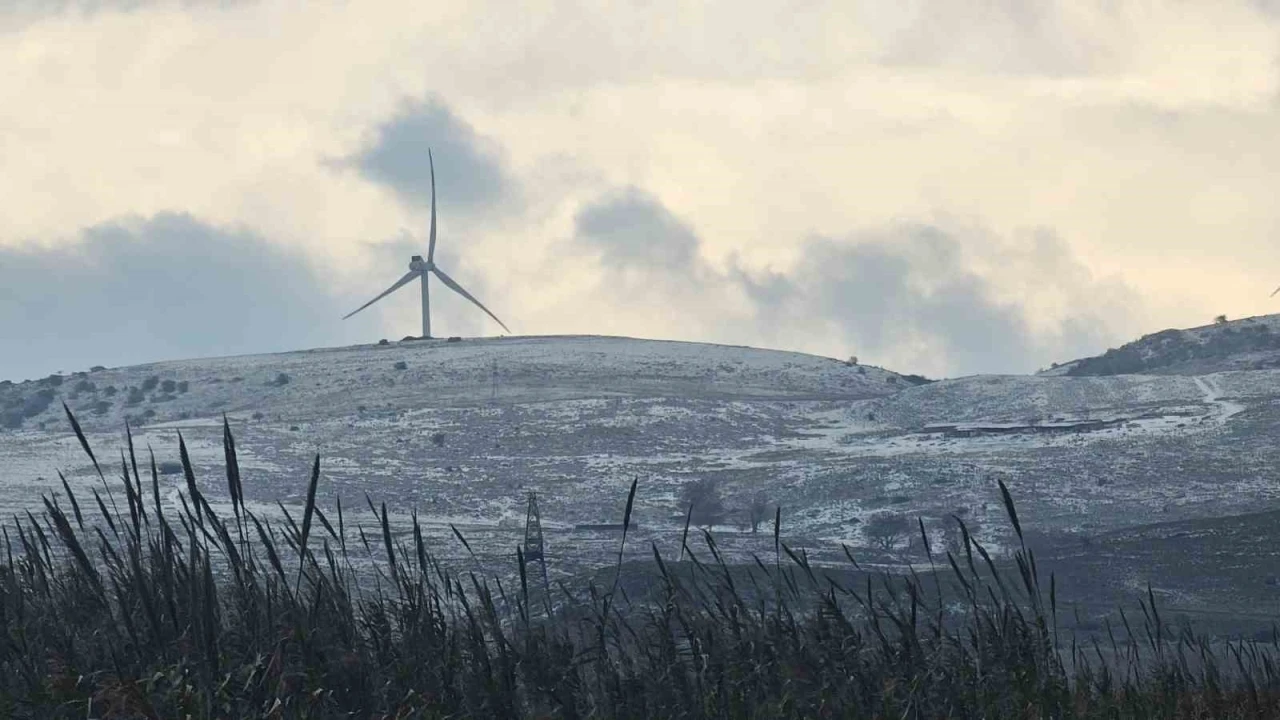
(470, 170)
(914, 291)
(935, 299)
(143, 290)
(631, 228)
(910, 291)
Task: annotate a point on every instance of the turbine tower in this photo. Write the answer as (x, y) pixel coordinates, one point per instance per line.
(422, 269)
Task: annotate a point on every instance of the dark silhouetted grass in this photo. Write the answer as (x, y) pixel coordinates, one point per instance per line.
(137, 611)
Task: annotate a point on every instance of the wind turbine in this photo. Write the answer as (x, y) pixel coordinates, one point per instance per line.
(419, 268)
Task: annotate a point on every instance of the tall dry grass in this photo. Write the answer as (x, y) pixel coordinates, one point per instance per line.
(114, 610)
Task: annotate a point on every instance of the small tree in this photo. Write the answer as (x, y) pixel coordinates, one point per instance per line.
(758, 511)
(703, 495)
(1221, 319)
(886, 529)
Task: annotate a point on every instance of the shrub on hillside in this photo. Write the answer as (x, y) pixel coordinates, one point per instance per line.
(703, 495)
(886, 530)
(37, 403)
(757, 511)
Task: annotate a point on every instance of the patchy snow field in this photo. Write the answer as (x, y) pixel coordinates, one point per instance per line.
(461, 431)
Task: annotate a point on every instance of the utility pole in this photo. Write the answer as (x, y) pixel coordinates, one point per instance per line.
(534, 548)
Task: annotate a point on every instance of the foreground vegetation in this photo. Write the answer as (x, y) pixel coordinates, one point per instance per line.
(132, 610)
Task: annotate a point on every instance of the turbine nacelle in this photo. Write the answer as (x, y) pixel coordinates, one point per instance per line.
(420, 270)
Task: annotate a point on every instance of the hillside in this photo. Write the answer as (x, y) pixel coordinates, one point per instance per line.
(413, 374)
(461, 432)
(1248, 344)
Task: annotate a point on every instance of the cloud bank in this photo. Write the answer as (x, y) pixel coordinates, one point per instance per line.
(944, 188)
(470, 172)
(926, 298)
(169, 286)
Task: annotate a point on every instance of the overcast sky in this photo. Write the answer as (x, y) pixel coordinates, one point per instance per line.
(943, 188)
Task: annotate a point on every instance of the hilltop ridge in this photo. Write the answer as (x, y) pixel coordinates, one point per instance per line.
(409, 374)
(1248, 344)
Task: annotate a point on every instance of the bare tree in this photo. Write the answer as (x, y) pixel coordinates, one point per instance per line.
(887, 529)
(703, 495)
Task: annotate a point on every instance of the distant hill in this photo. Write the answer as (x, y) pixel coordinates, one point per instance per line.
(413, 374)
(1248, 344)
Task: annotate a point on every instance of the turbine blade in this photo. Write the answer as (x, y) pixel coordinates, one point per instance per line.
(399, 283)
(1273, 292)
(431, 249)
(458, 289)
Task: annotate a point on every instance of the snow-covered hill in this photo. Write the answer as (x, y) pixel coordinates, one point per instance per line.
(462, 431)
(408, 375)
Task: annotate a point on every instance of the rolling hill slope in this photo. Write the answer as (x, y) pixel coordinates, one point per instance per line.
(1248, 344)
(461, 432)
